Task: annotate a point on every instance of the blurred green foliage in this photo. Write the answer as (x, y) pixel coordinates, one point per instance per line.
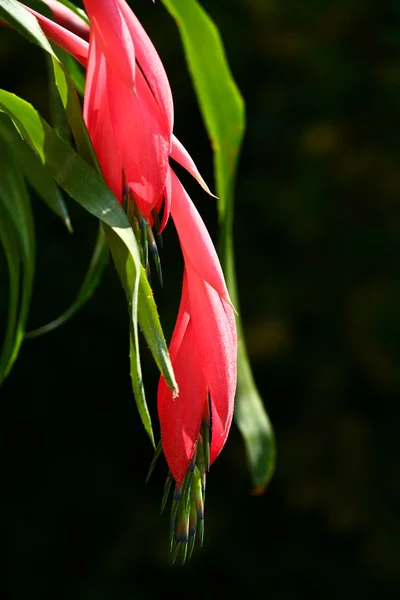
(317, 242)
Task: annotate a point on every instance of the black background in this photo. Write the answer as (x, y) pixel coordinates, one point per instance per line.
(317, 238)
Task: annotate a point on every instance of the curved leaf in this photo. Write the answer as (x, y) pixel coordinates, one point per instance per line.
(92, 279)
(87, 187)
(34, 170)
(24, 22)
(18, 240)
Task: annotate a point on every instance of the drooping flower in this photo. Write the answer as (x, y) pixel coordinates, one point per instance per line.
(128, 106)
(128, 111)
(206, 373)
(195, 425)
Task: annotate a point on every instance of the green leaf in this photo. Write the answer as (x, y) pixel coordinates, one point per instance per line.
(73, 110)
(253, 423)
(18, 239)
(92, 279)
(23, 21)
(34, 170)
(223, 112)
(149, 324)
(73, 68)
(138, 387)
(58, 118)
(86, 186)
(220, 101)
(8, 240)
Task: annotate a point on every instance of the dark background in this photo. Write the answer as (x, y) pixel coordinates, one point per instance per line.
(317, 236)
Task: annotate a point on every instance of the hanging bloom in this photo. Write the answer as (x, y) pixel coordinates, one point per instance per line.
(203, 345)
(128, 111)
(195, 425)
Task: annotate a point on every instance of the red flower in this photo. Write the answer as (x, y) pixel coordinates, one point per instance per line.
(128, 111)
(203, 346)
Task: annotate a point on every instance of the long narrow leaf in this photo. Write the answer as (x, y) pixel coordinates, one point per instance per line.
(18, 17)
(223, 113)
(92, 279)
(85, 186)
(73, 68)
(34, 170)
(18, 237)
(149, 324)
(8, 240)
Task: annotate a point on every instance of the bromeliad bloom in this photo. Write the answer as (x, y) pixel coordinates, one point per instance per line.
(128, 111)
(128, 106)
(195, 425)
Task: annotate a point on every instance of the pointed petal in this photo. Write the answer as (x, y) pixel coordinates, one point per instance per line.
(151, 65)
(96, 113)
(180, 417)
(95, 86)
(65, 17)
(195, 239)
(114, 38)
(141, 140)
(182, 156)
(221, 422)
(219, 434)
(214, 331)
(102, 137)
(167, 201)
(182, 320)
(68, 41)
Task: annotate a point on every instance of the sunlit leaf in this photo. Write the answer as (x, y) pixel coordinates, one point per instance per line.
(73, 68)
(23, 21)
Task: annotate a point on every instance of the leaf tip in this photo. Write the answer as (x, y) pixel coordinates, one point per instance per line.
(259, 490)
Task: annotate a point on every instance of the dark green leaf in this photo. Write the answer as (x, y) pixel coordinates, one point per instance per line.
(34, 170)
(18, 239)
(8, 240)
(91, 281)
